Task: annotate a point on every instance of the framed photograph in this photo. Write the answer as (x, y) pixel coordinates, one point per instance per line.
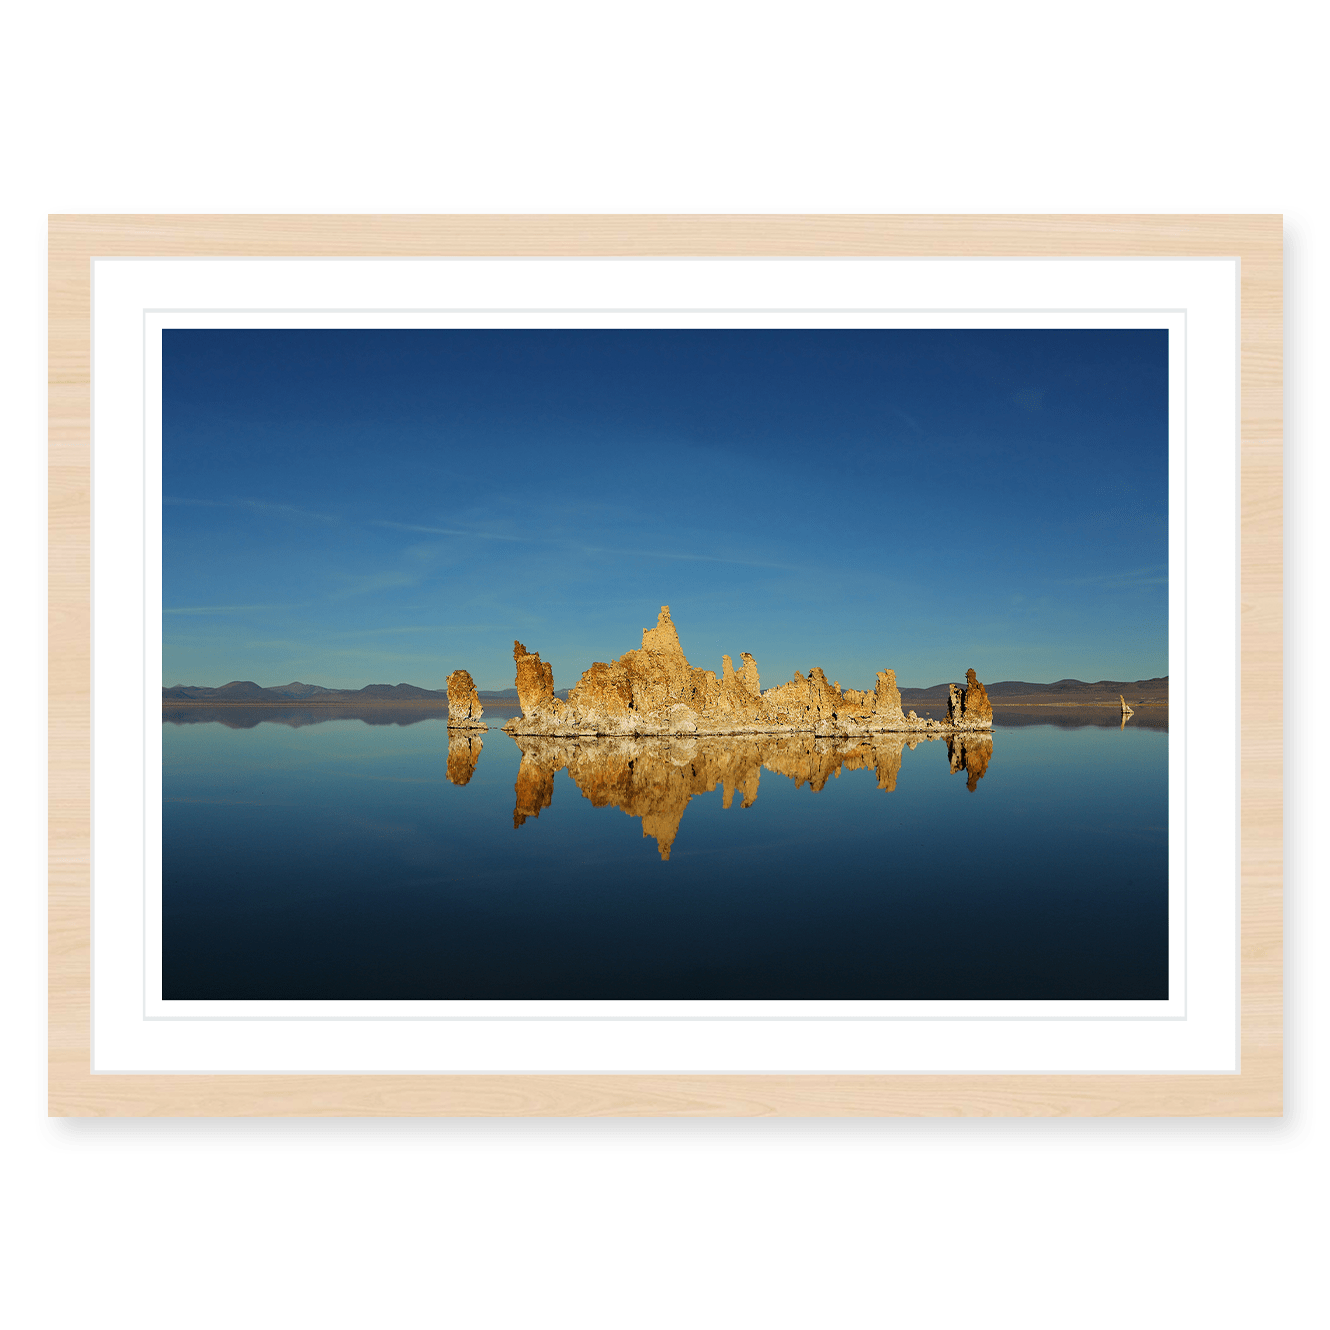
(665, 665)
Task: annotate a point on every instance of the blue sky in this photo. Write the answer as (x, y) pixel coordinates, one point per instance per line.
(353, 507)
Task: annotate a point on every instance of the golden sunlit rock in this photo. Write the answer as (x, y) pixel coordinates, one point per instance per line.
(535, 690)
(604, 690)
(887, 698)
(653, 690)
(968, 708)
(464, 709)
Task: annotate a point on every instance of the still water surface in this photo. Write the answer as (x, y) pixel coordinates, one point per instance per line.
(321, 855)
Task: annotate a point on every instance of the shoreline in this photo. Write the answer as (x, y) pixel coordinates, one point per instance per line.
(179, 704)
(174, 703)
(1062, 706)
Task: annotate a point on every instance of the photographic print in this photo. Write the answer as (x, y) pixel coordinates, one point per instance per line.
(665, 663)
(676, 666)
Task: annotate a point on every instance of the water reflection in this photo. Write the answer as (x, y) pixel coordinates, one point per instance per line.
(970, 753)
(463, 754)
(1078, 718)
(336, 861)
(247, 718)
(654, 779)
(238, 717)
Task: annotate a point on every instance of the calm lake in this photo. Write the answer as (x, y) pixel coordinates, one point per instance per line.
(317, 854)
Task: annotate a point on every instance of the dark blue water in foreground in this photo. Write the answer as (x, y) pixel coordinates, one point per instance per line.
(337, 859)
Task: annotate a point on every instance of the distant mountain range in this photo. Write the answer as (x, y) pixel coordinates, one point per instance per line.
(1010, 691)
(1064, 690)
(246, 691)
(243, 690)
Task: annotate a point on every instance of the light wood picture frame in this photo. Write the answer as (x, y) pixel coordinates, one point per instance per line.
(1256, 1090)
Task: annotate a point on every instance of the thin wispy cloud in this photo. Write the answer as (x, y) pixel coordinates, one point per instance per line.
(260, 506)
(452, 531)
(1154, 575)
(1005, 646)
(361, 653)
(688, 557)
(370, 582)
(365, 653)
(220, 609)
(420, 628)
(566, 543)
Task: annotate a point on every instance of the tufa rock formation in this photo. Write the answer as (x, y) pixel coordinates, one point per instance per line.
(535, 687)
(655, 691)
(464, 709)
(968, 708)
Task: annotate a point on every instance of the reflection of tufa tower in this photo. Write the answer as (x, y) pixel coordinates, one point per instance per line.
(463, 754)
(654, 779)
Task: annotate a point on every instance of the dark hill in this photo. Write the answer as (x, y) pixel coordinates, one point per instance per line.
(1063, 690)
(240, 689)
(246, 691)
(1010, 691)
(401, 692)
(299, 689)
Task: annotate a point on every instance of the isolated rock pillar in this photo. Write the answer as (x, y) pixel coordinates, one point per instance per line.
(464, 707)
(978, 709)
